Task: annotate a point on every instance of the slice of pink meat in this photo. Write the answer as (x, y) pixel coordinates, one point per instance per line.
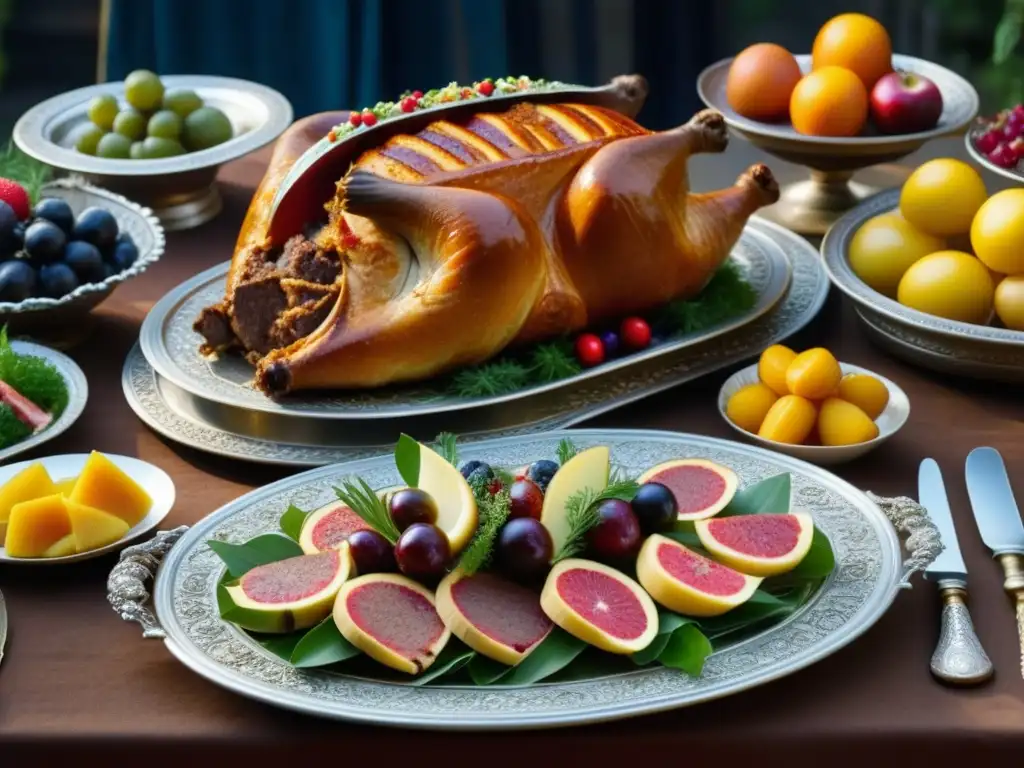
(30, 414)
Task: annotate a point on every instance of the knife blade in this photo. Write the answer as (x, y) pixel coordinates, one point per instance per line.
(998, 520)
(959, 657)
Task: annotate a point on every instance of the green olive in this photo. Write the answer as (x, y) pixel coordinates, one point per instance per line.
(86, 137)
(137, 151)
(103, 110)
(154, 148)
(130, 123)
(114, 146)
(206, 127)
(182, 101)
(164, 125)
(143, 90)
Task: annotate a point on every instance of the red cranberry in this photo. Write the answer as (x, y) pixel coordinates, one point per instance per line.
(589, 350)
(417, 95)
(635, 333)
(355, 119)
(369, 119)
(486, 88)
(527, 499)
(408, 104)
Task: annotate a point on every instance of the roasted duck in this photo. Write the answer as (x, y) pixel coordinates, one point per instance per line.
(443, 247)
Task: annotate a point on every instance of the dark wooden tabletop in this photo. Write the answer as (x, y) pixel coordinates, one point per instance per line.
(76, 679)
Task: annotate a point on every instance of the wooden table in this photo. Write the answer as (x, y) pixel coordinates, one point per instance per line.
(78, 681)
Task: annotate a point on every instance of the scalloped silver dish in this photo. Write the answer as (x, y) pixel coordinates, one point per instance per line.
(866, 580)
(78, 395)
(136, 220)
(259, 437)
(948, 345)
(172, 348)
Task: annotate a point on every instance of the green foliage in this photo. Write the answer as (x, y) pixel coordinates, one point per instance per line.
(447, 445)
(35, 378)
(493, 512)
(242, 558)
(581, 512)
(12, 429)
(566, 450)
(292, 521)
(407, 460)
(727, 295)
(30, 173)
(361, 499)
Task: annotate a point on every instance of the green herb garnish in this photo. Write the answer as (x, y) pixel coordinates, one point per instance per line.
(553, 361)
(407, 459)
(566, 450)
(27, 171)
(581, 512)
(726, 295)
(362, 500)
(446, 444)
(493, 512)
(35, 378)
(506, 477)
(12, 429)
(499, 377)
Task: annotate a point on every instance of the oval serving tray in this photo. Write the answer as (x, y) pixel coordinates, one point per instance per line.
(172, 348)
(972, 350)
(866, 579)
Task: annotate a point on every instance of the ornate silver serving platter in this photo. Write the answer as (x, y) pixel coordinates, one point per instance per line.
(260, 437)
(180, 189)
(172, 348)
(78, 394)
(867, 578)
(946, 345)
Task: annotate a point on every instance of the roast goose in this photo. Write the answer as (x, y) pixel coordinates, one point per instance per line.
(443, 247)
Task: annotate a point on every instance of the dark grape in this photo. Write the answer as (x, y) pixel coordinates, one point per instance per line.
(17, 281)
(123, 256)
(655, 507)
(96, 226)
(422, 551)
(411, 505)
(524, 549)
(371, 552)
(57, 280)
(56, 211)
(44, 242)
(617, 536)
(8, 223)
(85, 260)
(527, 499)
(541, 472)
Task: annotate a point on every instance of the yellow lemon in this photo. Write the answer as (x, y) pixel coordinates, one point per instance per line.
(997, 233)
(949, 284)
(885, 247)
(1010, 302)
(942, 196)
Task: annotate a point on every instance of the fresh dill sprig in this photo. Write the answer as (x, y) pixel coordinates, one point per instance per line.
(553, 360)
(493, 512)
(727, 295)
(581, 512)
(566, 450)
(447, 447)
(361, 499)
(34, 377)
(500, 377)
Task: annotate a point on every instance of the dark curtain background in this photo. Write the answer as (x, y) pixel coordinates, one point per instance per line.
(329, 54)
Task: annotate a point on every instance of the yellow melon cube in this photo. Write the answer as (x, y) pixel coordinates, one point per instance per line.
(104, 486)
(37, 525)
(66, 486)
(66, 546)
(93, 528)
(33, 482)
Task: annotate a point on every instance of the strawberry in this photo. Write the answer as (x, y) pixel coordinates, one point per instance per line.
(12, 193)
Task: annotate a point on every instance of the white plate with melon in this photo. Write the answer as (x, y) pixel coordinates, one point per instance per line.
(63, 509)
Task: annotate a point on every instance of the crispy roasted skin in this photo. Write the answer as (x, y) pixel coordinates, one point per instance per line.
(446, 246)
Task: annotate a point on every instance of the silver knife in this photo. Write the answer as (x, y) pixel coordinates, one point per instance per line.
(959, 658)
(3, 625)
(999, 523)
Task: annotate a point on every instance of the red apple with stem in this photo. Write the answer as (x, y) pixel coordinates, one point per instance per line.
(903, 102)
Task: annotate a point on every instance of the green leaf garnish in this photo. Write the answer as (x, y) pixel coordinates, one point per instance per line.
(281, 646)
(770, 495)
(493, 512)
(12, 429)
(687, 650)
(322, 645)
(554, 653)
(35, 378)
(485, 671)
(242, 558)
(292, 521)
(446, 445)
(552, 361)
(566, 450)
(499, 377)
(27, 171)
(361, 499)
(819, 561)
(726, 295)
(581, 512)
(453, 657)
(407, 460)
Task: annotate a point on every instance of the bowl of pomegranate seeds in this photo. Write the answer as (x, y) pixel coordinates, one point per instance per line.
(997, 142)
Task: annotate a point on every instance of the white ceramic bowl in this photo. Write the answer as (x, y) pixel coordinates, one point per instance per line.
(154, 480)
(889, 421)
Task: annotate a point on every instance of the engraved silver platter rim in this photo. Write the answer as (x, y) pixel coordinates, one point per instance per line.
(868, 575)
(804, 299)
(761, 252)
(269, 112)
(984, 162)
(833, 250)
(78, 395)
(960, 105)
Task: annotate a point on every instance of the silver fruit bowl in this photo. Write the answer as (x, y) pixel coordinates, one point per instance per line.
(810, 207)
(181, 190)
(45, 315)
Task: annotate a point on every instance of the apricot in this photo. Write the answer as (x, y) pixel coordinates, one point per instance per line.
(790, 420)
(843, 423)
(772, 367)
(103, 485)
(761, 80)
(830, 101)
(814, 374)
(866, 392)
(855, 42)
(749, 405)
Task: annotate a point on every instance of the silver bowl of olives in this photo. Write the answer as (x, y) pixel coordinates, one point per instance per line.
(157, 140)
(77, 244)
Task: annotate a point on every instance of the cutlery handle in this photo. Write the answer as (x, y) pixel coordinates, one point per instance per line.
(1013, 571)
(126, 585)
(959, 658)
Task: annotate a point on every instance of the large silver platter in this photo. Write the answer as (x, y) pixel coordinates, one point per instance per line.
(172, 348)
(974, 350)
(258, 437)
(864, 583)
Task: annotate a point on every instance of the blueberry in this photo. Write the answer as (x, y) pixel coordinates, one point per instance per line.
(19, 235)
(477, 469)
(610, 339)
(56, 211)
(56, 280)
(44, 242)
(85, 260)
(97, 226)
(655, 507)
(541, 472)
(124, 237)
(124, 255)
(109, 270)
(8, 223)
(17, 281)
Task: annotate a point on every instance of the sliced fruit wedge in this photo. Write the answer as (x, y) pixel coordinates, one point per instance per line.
(456, 504)
(391, 619)
(291, 594)
(702, 488)
(329, 527)
(494, 616)
(689, 583)
(588, 469)
(600, 605)
(759, 545)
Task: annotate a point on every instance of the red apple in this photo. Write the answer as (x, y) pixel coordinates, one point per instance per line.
(902, 102)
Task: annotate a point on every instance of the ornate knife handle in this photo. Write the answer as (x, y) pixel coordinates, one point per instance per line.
(923, 542)
(126, 585)
(959, 657)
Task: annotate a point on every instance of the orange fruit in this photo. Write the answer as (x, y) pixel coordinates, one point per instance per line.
(857, 43)
(760, 81)
(830, 101)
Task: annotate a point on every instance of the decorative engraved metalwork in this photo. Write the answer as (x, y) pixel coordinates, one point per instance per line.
(959, 657)
(1013, 584)
(862, 586)
(126, 586)
(923, 540)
